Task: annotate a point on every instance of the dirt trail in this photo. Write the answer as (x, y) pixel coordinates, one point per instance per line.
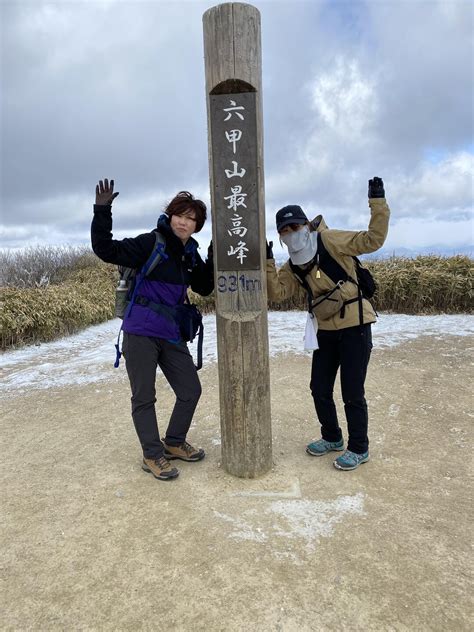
(90, 542)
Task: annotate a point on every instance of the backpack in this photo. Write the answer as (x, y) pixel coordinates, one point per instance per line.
(366, 286)
(128, 277)
(186, 316)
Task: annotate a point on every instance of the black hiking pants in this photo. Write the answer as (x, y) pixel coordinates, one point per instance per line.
(143, 354)
(348, 349)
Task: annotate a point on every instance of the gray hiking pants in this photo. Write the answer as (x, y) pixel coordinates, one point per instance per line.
(143, 354)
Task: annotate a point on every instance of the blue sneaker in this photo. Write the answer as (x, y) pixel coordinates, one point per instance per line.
(320, 447)
(350, 460)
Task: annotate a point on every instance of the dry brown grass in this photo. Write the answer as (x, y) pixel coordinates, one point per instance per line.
(38, 314)
(425, 285)
(40, 266)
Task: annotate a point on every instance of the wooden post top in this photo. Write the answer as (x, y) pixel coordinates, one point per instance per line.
(232, 48)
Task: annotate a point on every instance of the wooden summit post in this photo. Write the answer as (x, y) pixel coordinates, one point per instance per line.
(232, 53)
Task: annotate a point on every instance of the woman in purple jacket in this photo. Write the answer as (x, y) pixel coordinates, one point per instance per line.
(151, 339)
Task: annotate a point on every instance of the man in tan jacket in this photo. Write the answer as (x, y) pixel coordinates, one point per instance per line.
(343, 316)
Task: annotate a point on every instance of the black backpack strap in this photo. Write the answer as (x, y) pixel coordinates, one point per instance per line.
(337, 273)
(153, 260)
(301, 276)
(156, 256)
(326, 262)
(168, 311)
(358, 299)
(199, 347)
(329, 265)
(301, 273)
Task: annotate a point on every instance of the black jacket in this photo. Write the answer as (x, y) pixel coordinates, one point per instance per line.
(182, 267)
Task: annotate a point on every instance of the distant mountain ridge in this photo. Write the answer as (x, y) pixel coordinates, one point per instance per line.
(385, 253)
(442, 251)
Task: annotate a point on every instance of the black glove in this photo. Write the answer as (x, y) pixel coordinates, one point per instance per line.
(376, 189)
(210, 254)
(269, 249)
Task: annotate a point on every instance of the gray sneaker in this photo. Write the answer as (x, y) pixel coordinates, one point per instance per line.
(320, 447)
(350, 460)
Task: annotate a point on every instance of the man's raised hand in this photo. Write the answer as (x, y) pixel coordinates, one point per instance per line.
(376, 189)
(104, 193)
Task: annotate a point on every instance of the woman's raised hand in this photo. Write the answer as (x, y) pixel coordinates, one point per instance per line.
(104, 193)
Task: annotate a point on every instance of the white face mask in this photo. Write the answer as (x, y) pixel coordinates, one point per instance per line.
(301, 244)
(297, 239)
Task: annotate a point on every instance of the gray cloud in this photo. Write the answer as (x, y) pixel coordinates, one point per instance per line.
(350, 90)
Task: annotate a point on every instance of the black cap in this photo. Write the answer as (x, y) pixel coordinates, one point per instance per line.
(290, 215)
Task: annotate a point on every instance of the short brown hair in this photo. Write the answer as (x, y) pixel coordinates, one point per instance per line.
(184, 202)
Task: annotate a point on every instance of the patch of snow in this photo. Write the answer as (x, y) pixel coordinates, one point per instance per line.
(394, 410)
(244, 531)
(306, 520)
(88, 357)
(309, 520)
(294, 492)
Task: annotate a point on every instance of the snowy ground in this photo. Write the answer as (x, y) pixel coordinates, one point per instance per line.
(88, 357)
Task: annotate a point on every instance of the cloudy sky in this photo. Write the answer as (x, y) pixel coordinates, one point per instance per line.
(350, 90)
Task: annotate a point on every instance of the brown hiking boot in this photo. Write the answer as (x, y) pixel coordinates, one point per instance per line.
(184, 452)
(160, 468)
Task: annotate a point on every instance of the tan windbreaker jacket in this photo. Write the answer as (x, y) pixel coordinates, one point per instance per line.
(342, 245)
